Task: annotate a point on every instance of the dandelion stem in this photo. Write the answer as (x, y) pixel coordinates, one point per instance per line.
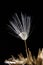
(26, 48)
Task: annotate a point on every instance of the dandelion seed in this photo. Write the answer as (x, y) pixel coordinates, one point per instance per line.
(21, 28)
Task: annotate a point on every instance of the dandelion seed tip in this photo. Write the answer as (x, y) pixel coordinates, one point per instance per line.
(23, 35)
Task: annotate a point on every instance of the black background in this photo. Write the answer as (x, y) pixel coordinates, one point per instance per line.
(10, 45)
